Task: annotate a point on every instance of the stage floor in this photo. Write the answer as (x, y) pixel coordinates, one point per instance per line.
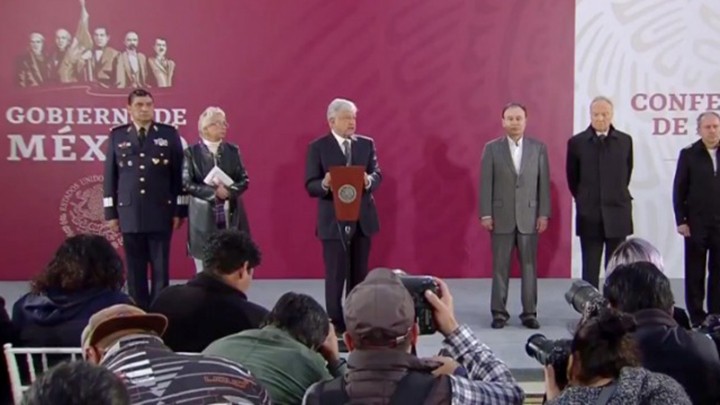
(472, 307)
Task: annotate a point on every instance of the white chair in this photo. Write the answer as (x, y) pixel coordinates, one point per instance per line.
(32, 355)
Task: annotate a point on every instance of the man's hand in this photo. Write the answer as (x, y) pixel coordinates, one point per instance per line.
(487, 223)
(542, 224)
(178, 222)
(86, 55)
(367, 180)
(221, 192)
(448, 368)
(114, 225)
(443, 312)
(326, 181)
(330, 349)
(684, 230)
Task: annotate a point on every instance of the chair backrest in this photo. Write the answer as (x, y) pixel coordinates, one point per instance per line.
(36, 361)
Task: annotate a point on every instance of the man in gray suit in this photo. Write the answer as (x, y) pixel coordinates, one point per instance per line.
(514, 207)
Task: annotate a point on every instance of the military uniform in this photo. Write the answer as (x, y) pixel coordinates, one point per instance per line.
(143, 190)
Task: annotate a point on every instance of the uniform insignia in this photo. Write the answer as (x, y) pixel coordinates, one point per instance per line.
(161, 142)
(155, 161)
(129, 162)
(155, 127)
(165, 162)
(124, 145)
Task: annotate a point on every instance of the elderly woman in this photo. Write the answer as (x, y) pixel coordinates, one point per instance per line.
(214, 175)
(85, 276)
(639, 250)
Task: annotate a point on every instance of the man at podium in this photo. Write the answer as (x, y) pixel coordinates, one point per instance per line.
(347, 217)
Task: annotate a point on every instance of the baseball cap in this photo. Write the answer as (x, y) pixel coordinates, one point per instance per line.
(120, 317)
(380, 310)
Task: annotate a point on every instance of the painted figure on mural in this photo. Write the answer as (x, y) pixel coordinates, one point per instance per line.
(89, 58)
(143, 194)
(599, 166)
(515, 209)
(345, 249)
(696, 202)
(161, 66)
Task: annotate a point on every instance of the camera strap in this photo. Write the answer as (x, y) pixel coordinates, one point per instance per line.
(606, 393)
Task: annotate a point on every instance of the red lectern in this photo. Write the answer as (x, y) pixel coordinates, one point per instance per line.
(348, 183)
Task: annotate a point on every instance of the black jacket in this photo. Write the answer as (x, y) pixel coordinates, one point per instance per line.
(598, 175)
(204, 310)
(197, 164)
(696, 189)
(689, 357)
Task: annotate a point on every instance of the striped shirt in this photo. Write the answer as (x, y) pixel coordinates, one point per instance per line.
(154, 374)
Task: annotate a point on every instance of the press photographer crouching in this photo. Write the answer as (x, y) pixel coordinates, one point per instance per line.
(689, 357)
(382, 328)
(603, 368)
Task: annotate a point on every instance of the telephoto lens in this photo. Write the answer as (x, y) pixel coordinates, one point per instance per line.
(581, 293)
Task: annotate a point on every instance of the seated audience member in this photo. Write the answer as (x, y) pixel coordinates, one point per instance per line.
(604, 368)
(85, 276)
(639, 250)
(126, 340)
(77, 383)
(382, 330)
(689, 357)
(8, 334)
(296, 348)
(214, 303)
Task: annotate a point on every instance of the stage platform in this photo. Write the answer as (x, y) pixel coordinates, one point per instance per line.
(472, 307)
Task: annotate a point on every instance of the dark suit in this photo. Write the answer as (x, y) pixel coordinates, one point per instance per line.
(598, 175)
(143, 190)
(201, 211)
(345, 260)
(696, 202)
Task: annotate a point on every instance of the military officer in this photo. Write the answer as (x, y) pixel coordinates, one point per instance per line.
(143, 195)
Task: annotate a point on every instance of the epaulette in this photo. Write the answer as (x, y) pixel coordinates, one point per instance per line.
(119, 127)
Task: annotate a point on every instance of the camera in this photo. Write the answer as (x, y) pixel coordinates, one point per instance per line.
(583, 294)
(417, 285)
(555, 353)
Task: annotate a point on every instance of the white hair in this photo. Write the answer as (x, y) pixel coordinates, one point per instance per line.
(601, 98)
(207, 116)
(63, 31)
(37, 35)
(634, 250)
(340, 104)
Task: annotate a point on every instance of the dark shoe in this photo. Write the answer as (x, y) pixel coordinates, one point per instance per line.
(498, 323)
(531, 323)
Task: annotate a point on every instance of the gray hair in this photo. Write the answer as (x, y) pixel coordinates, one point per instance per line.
(601, 98)
(340, 104)
(634, 250)
(207, 116)
(706, 114)
(37, 35)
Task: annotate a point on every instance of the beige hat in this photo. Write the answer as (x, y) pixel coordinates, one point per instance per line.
(118, 318)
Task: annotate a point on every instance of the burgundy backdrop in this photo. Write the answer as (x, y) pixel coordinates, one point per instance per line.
(429, 78)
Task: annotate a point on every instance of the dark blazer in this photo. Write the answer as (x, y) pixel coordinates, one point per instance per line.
(689, 357)
(324, 153)
(201, 211)
(204, 310)
(696, 189)
(143, 183)
(598, 175)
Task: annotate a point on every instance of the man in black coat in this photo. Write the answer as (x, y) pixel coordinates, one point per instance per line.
(345, 253)
(599, 166)
(696, 201)
(143, 196)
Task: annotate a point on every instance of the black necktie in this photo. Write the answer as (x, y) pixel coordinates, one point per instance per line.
(141, 135)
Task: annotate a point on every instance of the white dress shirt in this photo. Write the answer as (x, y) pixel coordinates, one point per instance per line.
(713, 156)
(341, 141)
(516, 150)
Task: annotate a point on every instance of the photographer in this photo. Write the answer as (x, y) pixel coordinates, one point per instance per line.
(603, 368)
(689, 357)
(639, 250)
(382, 329)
